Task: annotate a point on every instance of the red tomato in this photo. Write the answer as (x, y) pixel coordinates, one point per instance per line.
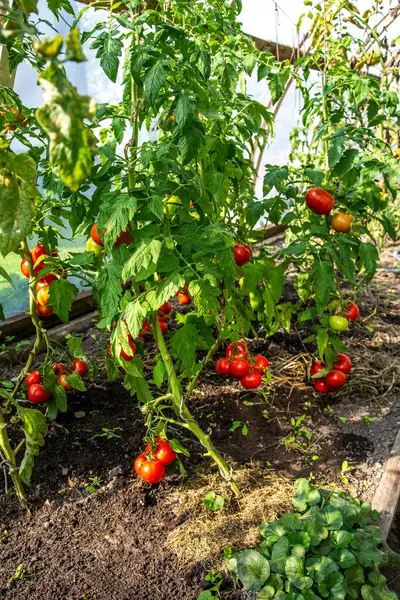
(94, 234)
(223, 366)
(139, 462)
(145, 330)
(44, 311)
(261, 363)
(319, 201)
(239, 368)
(183, 298)
(316, 367)
(62, 380)
(353, 312)
(124, 238)
(25, 267)
(46, 280)
(32, 378)
(344, 364)
(132, 346)
(163, 327)
(165, 308)
(152, 471)
(38, 251)
(79, 366)
(162, 451)
(58, 369)
(251, 381)
(321, 386)
(335, 379)
(238, 350)
(242, 254)
(37, 394)
(43, 295)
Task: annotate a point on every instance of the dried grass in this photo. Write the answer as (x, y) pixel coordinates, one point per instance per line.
(204, 535)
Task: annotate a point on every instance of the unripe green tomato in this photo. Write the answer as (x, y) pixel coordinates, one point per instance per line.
(91, 246)
(173, 205)
(338, 323)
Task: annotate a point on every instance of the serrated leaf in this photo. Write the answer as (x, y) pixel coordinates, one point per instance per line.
(154, 80)
(322, 274)
(18, 196)
(336, 151)
(370, 256)
(56, 5)
(109, 49)
(76, 381)
(62, 295)
(110, 289)
(60, 396)
(184, 111)
(184, 343)
(135, 314)
(191, 140)
(148, 252)
(346, 162)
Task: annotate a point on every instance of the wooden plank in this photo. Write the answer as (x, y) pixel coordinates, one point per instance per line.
(57, 334)
(20, 326)
(387, 495)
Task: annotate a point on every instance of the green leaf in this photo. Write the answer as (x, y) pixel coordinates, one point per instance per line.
(342, 538)
(154, 80)
(305, 495)
(18, 196)
(277, 83)
(320, 567)
(184, 343)
(267, 593)
(76, 381)
(280, 552)
(205, 297)
(72, 143)
(336, 151)
(322, 274)
(343, 557)
(249, 62)
(333, 587)
(272, 532)
(56, 5)
(135, 314)
(294, 570)
(62, 294)
(147, 253)
(109, 49)
(191, 141)
(60, 396)
(253, 569)
(214, 501)
(34, 426)
(329, 517)
(346, 162)
(184, 110)
(369, 256)
(110, 289)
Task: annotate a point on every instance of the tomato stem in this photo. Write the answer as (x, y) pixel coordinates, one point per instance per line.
(181, 410)
(9, 457)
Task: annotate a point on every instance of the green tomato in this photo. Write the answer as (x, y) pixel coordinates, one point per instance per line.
(338, 323)
(173, 205)
(91, 246)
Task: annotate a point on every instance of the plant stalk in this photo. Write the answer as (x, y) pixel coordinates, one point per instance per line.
(181, 410)
(9, 456)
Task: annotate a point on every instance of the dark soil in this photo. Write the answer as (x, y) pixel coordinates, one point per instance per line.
(108, 542)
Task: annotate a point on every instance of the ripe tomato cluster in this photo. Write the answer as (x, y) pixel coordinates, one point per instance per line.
(336, 378)
(36, 392)
(38, 256)
(95, 243)
(320, 202)
(150, 466)
(242, 254)
(163, 314)
(239, 365)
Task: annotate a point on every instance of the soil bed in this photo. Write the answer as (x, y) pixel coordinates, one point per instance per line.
(95, 532)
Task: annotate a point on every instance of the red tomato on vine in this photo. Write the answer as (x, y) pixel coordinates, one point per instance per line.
(319, 201)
